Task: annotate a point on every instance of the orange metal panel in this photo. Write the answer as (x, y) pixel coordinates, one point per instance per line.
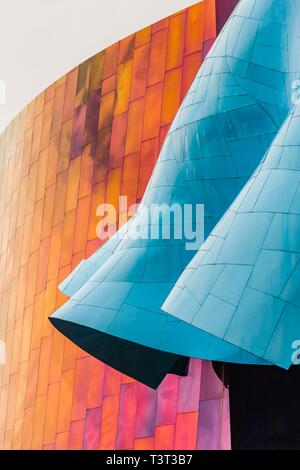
(176, 34)
(108, 433)
(51, 413)
(194, 30)
(39, 422)
(171, 95)
(65, 403)
(123, 87)
(140, 71)
(186, 431)
(164, 437)
(152, 116)
(135, 126)
(158, 51)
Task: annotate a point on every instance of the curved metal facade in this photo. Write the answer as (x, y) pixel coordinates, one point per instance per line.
(243, 280)
(232, 112)
(91, 136)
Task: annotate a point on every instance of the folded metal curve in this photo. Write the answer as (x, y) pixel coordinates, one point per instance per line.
(251, 261)
(220, 134)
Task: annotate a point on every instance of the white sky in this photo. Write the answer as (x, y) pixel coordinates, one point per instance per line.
(40, 40)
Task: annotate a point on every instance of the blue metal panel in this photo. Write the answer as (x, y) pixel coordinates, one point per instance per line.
(264, 236)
